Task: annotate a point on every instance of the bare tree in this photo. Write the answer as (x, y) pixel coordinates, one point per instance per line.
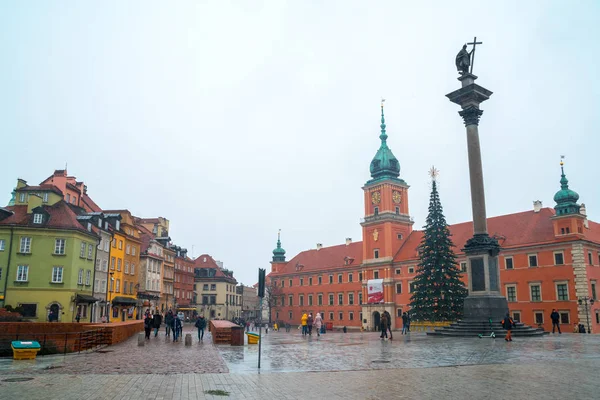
(273, 298)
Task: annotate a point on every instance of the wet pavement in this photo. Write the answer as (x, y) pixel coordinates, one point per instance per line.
(334, 366)
(291, 352)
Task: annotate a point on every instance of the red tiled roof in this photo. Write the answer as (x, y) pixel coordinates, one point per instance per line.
(90, 203)
(324, 258)
(40, 188)
(209, 263)
(512, 230)
(61, 216)
(593, 233)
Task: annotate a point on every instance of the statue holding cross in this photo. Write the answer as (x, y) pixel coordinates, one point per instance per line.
(465, 59)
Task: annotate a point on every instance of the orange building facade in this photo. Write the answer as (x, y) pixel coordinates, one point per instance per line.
(550, 259)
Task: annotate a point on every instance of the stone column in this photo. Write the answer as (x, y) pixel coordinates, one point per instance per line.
(485, 299)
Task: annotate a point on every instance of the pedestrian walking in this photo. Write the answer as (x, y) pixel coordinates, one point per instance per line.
(168, 323)
(303, 323)
(383, 326)
(201, 325)
(508, 324)
(287, 326)
(408, 322)
(176, 328)
(389, 319)
(404, 323)
(147, 325)
(555, 317)
(318, 323)
(309, 323)
(156, 321)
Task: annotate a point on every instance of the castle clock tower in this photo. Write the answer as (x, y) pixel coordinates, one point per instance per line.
(386, 223)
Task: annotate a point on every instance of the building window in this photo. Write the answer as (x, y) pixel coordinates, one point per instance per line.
(320, 299)
(282, 283)
(37, 218)
(340, 299)
(564, 317)
(114, 243)
(593, 287)
(57, 274)
(25, 246)
(533, 260)
(301, 300)
(2, 244)
(536, 292)
(128, 249)
(45, 197)
(350, 277)
(341, 315)
(516, 315)
(118, 287)
(29, 310)
(290, 300)
(301, 281)
(351, 316)
(133, 250)
(290, 282)
(68, 198)
(331, 316)
(376, 253)
(538, 317)
(130, 287)
(119, 262)
(598, 317)
(310, 299)
(320, 280)
(132, 269)
(82, 249)
(22, 197)
(90, 251)
(310, 281)
(463, 267)
(562, 292)
(59, 246)
(376, 212)
(590, 258)
(126, 267)
(559, 259)
(330, 279)
(88, 277)
(411, 287)
(330, 299)
(205, 286)
(339, 278)
(511, 293)
(375, 274)
(399, 288)
(360, 299)
(398, 213)
(80, 277)
(22, 273)
(290, 316)
(351, 299)
(120, 245)
(360, 276)
(213, 286)
(411, 270)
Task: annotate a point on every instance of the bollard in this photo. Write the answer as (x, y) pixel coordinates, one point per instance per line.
(141, 339)
(188, 339)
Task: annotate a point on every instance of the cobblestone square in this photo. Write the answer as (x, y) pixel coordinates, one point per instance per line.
(350, 366)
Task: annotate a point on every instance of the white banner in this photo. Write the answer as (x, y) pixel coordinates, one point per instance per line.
(375, 291)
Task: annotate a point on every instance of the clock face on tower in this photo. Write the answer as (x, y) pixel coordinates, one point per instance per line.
(376, 197)
(396, 197)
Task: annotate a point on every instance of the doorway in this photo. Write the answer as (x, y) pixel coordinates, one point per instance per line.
(376, 320)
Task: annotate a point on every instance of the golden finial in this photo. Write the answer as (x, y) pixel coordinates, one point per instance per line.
(562, 157)
(433, 173)
(382, 101)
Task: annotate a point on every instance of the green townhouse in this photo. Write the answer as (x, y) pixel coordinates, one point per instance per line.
(47, 256)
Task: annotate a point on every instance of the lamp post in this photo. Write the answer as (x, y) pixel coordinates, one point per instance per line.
(110, 287)
(585, 300)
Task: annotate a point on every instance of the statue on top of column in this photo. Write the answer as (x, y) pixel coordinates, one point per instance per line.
(463, 61)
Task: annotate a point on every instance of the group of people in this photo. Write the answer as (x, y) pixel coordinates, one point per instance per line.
(307, 322)
(172, 324)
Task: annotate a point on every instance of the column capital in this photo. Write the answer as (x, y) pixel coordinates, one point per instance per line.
(471, 115)
(482, 243)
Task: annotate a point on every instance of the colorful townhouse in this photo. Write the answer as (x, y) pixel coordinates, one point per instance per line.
(46, 256)
(124, 263)
(74, 192)
(151, 260)
(183, 284)
(550, 259)
(215, 288)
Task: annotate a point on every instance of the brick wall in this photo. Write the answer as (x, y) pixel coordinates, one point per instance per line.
(120, 331)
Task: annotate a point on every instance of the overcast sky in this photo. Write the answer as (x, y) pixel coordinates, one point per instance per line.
(235, 119)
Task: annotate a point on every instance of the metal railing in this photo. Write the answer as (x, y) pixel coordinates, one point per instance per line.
(57, 343)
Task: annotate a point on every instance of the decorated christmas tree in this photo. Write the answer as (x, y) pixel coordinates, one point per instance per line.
(438, 292)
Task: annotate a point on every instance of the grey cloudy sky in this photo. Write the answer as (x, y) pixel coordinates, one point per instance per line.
(235, 119)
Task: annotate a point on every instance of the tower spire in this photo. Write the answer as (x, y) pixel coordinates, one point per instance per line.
(384, 165)
(565, 198)
(279, 252)
(383, 136)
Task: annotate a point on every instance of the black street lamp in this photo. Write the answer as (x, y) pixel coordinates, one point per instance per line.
(110, 289)
(585, 300)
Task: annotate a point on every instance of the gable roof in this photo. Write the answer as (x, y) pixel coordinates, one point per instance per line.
(41, 188)
(60, 216)
(324, 258)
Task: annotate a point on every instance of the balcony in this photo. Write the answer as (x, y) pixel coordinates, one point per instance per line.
(386, 216)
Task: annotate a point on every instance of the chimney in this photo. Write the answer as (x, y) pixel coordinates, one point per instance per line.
(583, 212)
(319, 246)
(537, 206)
(348, 241)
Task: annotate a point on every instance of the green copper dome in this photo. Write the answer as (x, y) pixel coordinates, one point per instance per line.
(279, 252)
(565, 198)
(384, 165)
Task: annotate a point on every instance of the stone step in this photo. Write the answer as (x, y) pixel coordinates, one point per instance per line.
(470, 328)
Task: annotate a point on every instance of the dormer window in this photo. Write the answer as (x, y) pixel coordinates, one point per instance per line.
(99, 222)
(118, 225)
(89, 226)
(45, 198)
(68, 198)
(38, 218)
(22, 197)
